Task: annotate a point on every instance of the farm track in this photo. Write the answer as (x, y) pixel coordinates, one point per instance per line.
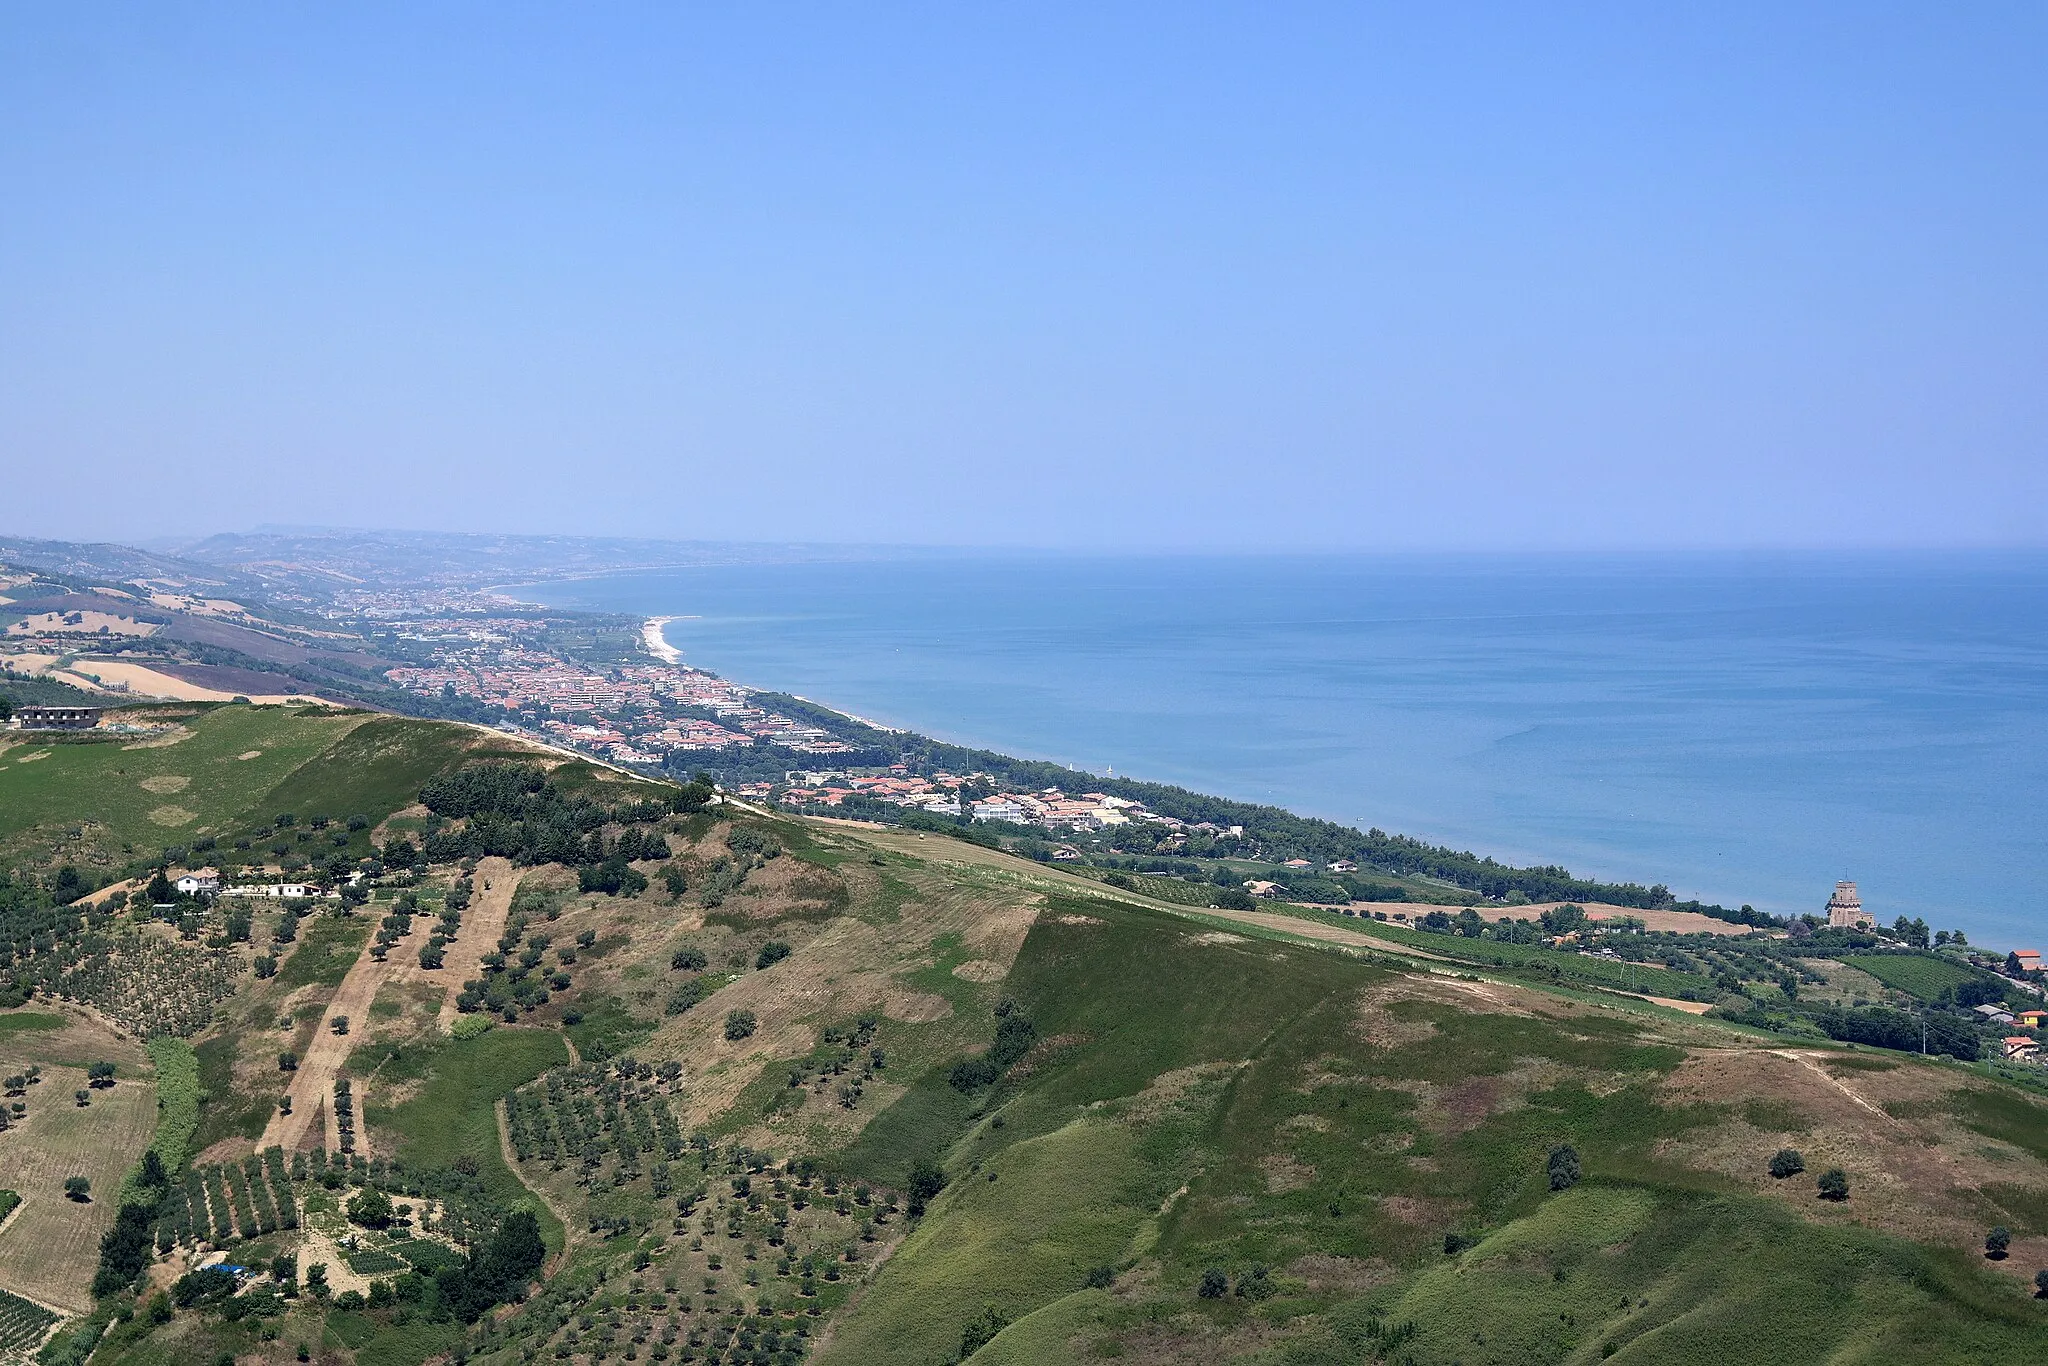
(312, 1085)
(496, 880)
(505, 1151)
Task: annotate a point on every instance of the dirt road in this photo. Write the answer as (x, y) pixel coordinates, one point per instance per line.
(312, 1086)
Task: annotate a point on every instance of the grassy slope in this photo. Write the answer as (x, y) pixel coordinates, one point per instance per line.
(1199, 1100)
(103, 782)
(451, 1118)
(1287, 1160)
(307, 761)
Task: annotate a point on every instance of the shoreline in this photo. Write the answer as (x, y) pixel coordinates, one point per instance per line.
(654, 642)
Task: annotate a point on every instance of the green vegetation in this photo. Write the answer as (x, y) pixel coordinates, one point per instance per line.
(22, 1322)
(1287, 1132)
(1923, 976)
(1705, 1279)
(225, 1109)
(1140, 1137)
(452, 1119)
(178, 1097)
(135, 796)
(326, 950)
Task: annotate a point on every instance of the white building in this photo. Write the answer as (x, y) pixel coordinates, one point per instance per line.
(199, 882)
(276, 891)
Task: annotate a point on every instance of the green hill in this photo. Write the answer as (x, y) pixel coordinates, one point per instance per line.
(777, 1090)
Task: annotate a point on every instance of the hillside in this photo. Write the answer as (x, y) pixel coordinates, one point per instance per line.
(608, 1070)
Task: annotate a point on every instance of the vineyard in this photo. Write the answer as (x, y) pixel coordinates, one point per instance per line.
(224, 1201)
(23, 1325)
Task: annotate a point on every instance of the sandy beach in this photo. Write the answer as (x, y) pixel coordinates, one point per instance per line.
(651, 637)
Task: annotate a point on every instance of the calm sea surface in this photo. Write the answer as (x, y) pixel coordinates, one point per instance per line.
(1744, 729)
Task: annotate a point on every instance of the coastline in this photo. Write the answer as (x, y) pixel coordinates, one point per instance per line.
(1340, 715)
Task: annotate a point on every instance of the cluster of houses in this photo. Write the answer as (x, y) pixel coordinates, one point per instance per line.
(940, 794)
(627, 720)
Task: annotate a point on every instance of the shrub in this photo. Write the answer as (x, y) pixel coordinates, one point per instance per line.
(739, 1024)
(772, 952)
(688, 958)
(472, 1027)
(1787, 1162)
(1214, 1284)
(1834, 1184)
(1996, 1242)
(1564, 1167)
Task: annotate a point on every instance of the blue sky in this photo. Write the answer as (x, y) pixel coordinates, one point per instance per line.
(1107, 276)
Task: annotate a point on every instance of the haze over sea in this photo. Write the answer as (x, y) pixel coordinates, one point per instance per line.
(1743, 728)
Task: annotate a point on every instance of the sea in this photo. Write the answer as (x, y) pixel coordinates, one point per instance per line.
(1742, 728)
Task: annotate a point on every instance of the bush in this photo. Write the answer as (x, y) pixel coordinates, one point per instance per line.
(474, 1027)
(1787, 1162)
(926, 1180)
(688, 958)
(1214, 1285)
(1834, 1184)
(740, 1024)
(1996, 1242)
(371, 1208)
(981, 1330)
(1564, 1167)
(772, 952)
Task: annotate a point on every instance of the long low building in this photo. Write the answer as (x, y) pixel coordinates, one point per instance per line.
(57, 718)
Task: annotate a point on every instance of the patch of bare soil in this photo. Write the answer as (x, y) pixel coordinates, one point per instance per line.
(1284, 1174)
(1420, 1211)
(1913, 1169)
(1386, 1029)
(1168, 1090)
(1323, 1274)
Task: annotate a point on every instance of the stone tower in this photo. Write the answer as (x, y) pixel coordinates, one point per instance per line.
(1845, 909)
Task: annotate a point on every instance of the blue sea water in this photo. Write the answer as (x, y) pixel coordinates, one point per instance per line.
(1745, 729)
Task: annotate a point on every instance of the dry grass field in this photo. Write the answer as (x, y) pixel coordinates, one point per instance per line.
(49, 1248)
